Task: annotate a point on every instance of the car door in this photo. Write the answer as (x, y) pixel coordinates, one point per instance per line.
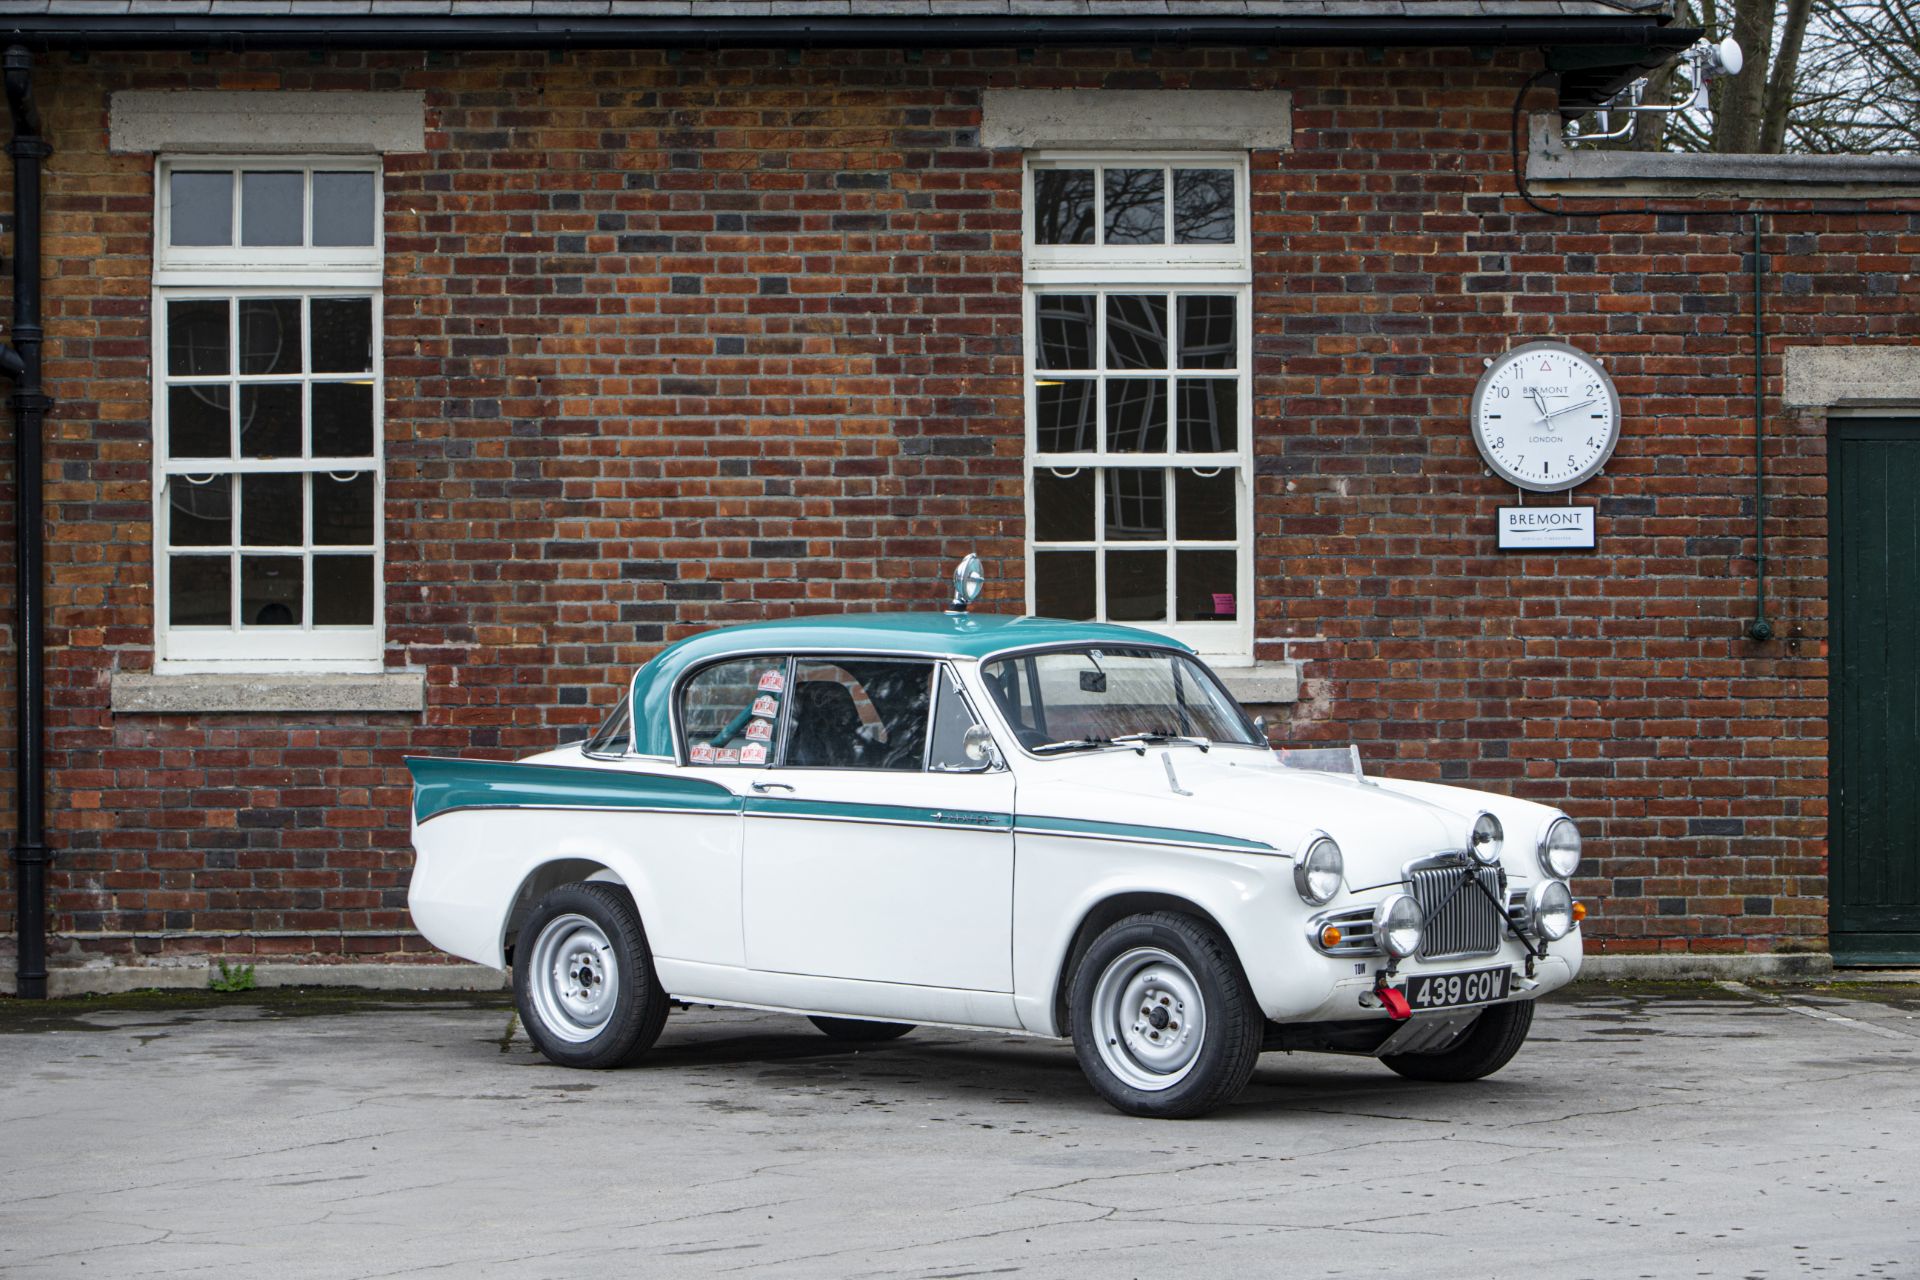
(725, 715)
(875, 849)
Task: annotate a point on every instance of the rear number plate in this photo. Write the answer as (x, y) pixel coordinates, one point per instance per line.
(1446, 990)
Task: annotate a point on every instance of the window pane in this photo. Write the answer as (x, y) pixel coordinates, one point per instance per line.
(201, 591)
(270, 421)
(1065, 410)
(269, 335)
(202, 208)
(1136, 504)
(197, 337)
(1136, 586)
(342, 419)
(1204, 586)
(342, 211)
(1063, 506)
(1063, 584)
(342, 510)
(1206, 332)
(272, 511)
(342, 335)
(720, 703)
(270, 212)
(343, 591)
(199, 515)
(1204, 506)
(1203, 206)
(613, 737)
(270, 591)
(199, 424)
(1063, 206)
(1066, 330)
(1209, 415)
(860, 714)
(1137, 415)
(1136, 206)
(946, 745)
(1137, 331)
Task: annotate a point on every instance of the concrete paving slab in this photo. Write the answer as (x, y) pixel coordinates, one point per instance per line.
(1684, 1130)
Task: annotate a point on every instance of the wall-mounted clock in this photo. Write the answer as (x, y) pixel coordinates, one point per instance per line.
(1545, 416)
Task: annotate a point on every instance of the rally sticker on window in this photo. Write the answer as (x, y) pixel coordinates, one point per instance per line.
(702, 753)
(766, 705)
(773, 682)
(727, 755)
(759, 730)
(753, 753)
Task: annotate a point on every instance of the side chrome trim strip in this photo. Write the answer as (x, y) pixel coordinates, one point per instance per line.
(575, 808)
(1125, 833)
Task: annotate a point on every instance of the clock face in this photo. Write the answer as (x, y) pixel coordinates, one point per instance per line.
(1545, 416)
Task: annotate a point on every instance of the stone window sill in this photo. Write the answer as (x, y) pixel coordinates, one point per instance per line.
(1264, 684)
(143, 693)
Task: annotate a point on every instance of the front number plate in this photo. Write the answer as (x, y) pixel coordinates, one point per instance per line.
(1448, 990)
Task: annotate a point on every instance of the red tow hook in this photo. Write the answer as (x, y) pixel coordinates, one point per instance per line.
(1395, 1002)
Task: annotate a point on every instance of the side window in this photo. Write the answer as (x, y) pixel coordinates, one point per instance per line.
(730, 712)
(952, 717)
(614, 737)
(860, 713)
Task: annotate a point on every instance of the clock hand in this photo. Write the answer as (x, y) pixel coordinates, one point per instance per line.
(1539, 402)
(1554, 413)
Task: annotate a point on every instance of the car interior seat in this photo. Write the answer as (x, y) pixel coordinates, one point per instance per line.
(826, 727)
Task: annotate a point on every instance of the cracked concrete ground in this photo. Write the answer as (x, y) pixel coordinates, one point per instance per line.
(1643, 1132)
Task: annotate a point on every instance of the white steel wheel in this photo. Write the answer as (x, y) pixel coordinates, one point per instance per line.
(1163, 1022)
(575, 978)
(583, 978)
(1149, 1017)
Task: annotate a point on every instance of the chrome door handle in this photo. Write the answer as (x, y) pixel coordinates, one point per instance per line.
(764, 787)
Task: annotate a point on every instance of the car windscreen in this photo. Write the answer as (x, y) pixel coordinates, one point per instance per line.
(1092, 696)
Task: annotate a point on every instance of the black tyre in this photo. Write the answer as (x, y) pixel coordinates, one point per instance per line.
(583, 978)
(858, 1031)
(1163, 1021)
(1488, 1045)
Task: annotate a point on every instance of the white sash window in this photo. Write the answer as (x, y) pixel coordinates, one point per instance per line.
(267, 414)
(1139, 394)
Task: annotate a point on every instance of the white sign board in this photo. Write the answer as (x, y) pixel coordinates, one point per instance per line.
(1546, 528)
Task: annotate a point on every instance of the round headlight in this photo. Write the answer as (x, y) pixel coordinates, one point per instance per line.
(1488, 838)
(1396, 925)
(1317, 872)
(1560, 849)
(1550, 909)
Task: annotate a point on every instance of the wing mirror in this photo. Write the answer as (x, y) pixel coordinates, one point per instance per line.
(978, 746)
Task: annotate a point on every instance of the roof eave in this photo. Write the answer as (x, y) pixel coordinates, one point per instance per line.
(53, 31)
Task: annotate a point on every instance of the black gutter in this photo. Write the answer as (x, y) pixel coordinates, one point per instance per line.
(20, 360)
(235, 33)
(1759, 629)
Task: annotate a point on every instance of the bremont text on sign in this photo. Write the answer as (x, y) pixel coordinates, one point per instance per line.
(1546, 528)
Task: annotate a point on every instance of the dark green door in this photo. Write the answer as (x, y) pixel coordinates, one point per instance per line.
(1874, 585)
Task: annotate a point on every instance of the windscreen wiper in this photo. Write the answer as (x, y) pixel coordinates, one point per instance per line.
(1073, 744)
(1205, 744)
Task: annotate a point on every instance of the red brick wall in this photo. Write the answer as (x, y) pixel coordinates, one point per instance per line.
(679, 343)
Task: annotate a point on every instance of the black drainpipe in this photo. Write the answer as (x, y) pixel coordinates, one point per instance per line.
(1759, 629)
(20, 360)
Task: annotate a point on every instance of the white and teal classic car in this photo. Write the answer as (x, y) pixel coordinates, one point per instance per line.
(1016, 824)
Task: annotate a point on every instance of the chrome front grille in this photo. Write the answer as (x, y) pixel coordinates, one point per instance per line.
(1461, 920)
